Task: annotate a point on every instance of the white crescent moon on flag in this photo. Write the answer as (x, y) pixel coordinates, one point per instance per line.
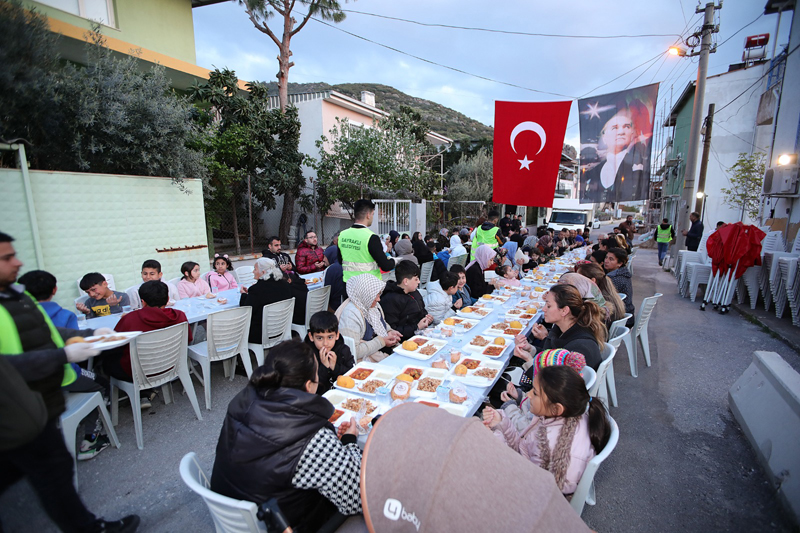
(529, 126)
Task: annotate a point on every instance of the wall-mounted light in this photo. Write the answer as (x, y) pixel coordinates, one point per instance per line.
(787, 159)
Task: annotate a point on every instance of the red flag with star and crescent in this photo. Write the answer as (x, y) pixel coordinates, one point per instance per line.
(528, 140)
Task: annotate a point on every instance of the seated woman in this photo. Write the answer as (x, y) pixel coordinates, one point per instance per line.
(425, 255)
(270, 288)
(595, 274)
(577, 327)
(276, 442)
(484, 259)
(621, 278)
(589, 291)
(361, 318)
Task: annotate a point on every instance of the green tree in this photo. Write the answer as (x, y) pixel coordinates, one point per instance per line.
(746, 180)
(409, 119)
(471, 178)
(357, 162)
(260, 12)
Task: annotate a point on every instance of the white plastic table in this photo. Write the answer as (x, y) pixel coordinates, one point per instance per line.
(320, 275)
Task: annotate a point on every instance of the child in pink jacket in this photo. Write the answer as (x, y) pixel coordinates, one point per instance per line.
(562, 437)
(191, 284)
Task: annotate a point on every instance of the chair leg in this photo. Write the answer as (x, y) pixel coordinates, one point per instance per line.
(68, 429)
(166, 391)
(136, 406)
(112, 435)
(206, 365)
(645, 345)
(186, 381)
(114, 405)
(590, 498)
(611, 384)
(248, 366)
(631, 354)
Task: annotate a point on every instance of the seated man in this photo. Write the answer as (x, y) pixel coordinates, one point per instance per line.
(402, 303)
(102, 300)
(152, 316)
(151, 270)
(310, 257)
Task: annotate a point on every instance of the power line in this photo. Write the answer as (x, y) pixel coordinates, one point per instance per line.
(740, 29)
(740, 138)
(624, 74)
(509, 32)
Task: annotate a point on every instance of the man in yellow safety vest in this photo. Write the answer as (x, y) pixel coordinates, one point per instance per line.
(664, 234)
(360, 250)
(486, 233)
(36, 350)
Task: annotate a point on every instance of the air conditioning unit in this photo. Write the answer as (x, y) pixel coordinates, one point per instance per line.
(780, 180)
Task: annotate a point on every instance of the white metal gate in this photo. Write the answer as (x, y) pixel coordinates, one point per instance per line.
(392, 215)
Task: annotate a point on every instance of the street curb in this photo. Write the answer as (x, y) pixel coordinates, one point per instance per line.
(745, 312)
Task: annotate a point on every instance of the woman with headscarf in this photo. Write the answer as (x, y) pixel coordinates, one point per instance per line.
(531, 241)
(270, 287)
(545, 245)
(442, 238)
(361, 318)
(478, 285)
(456, 246)
(394, 236)
(405, 251)
(511, 254)
(416, 236)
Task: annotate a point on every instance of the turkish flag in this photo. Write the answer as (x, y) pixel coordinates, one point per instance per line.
(528, 139)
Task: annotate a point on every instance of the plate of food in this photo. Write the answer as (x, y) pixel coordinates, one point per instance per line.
(366, 377)
(107, 342)
(420, 347)
(312, 281)
(473, 312)
(452, 408)
(508, 330)
(520, 315)
(494, 298)
(459, 322)
(477, 371)
(426, 386)
(347, 405)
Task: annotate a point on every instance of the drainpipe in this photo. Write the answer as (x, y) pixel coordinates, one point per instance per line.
(26, 180)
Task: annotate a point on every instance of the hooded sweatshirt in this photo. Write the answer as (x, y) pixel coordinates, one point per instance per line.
(147, 319)
(403, 311)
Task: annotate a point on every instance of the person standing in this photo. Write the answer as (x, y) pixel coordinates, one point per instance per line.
(664, 234)
(487, 233)
(516, 224)
(694, 234)
(35, 348)
(629, 228)
(505, 224)
(360, 250)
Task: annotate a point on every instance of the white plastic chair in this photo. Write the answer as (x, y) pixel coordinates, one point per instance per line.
(109, 279)
(229, 515)
(316, 301)
(81, 299)
(227, 338)
(350, 343)
(276, 327)
(425, 274)
(174, 281)
(157, 358)
(133, 296)
(458, 260)
(749, 282)
(622, 296)
(639, 331)
(771, 276)
(617, 325)
(614, 341)
(515, 374)
(245, 275)
(600, 387)
(685, 256)
(79, 405)
(585, 493)
(589, 376)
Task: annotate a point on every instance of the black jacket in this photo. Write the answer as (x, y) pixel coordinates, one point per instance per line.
(344, 362)
(477, 281)
(402, 311)
(260, 445)
(575, 339)
(264, 292)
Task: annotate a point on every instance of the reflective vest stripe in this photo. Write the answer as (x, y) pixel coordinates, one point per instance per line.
(663, 235)
(484, 237)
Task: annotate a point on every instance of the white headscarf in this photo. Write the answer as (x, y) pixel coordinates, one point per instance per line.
(361, 291)
(268, 268)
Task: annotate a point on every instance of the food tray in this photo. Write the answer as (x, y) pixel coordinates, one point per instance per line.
(378, 372)
(476, 312)
(478, 349)
(452, 408)
(416, 354)
(439, 374)
(493, 299)
(507, 332)
(461, 322)
(121, 338)
(340, 397)
(475, 380)
(520, 316)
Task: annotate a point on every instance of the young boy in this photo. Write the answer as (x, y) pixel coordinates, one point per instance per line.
(42, 286)
(462, 296)
(152, 316)
(402, 303)
(102, 301)
(333, 355)
(151, 271)
(439, 300)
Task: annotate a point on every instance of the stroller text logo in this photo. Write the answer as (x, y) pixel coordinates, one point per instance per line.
(393, 510)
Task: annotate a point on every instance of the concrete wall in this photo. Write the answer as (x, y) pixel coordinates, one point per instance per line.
(105, 223)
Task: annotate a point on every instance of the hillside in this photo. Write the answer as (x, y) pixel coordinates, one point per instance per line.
(441, 119)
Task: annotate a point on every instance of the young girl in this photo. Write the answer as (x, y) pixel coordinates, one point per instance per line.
(463, 296)
(562, 436)
(221, 279)
(507, 276)
(190, 284)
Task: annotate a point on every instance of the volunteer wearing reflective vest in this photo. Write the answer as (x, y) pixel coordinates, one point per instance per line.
(360, 250)
(35, 348)
(486, 233)
(664, 233)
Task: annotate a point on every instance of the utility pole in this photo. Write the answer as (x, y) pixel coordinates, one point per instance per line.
(701, 180)
(687, 195)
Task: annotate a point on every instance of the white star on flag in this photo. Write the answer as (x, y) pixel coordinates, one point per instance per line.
(525, 163)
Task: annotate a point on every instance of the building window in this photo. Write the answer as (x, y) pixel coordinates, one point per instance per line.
(101, 11)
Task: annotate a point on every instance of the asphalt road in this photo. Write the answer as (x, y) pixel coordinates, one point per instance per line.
(682, 463)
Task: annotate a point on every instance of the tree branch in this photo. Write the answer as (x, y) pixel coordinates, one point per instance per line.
(263, 28)
(305, 19)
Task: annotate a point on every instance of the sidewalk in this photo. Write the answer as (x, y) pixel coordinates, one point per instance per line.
(682, 463)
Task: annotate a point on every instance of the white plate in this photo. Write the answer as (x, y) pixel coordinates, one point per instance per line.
(502, 332)
(438, 343)
(379, 372)
(495, 300)
(471, 379)
(452, 408)
(475, 348)
(107, 345)
(476, 314)
(439, 374)
(339, 397)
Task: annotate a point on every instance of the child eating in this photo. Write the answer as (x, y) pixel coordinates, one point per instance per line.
(191, 284)
(333, 355)
(221, 279)
(563, 436)
(507, 276)
(151, 271)
(102, 301)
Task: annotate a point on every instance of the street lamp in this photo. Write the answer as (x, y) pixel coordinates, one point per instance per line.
(702, 196)
(677, 51)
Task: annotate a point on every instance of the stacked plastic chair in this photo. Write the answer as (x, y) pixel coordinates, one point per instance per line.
(772, 286)
(685, 257)
(793, 295)
(749, 283)
(696, 272)
(787, 271)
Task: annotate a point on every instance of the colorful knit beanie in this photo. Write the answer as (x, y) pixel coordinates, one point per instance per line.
(559, 356)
